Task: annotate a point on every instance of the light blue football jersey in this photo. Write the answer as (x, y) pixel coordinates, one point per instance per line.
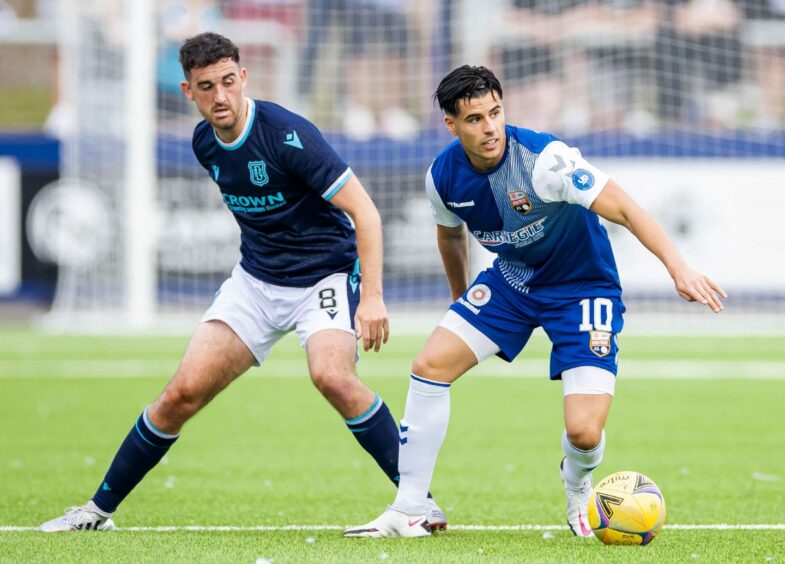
(532, 211)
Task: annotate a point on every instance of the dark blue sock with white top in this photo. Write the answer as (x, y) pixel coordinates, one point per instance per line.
(377, 433)
(141, 450)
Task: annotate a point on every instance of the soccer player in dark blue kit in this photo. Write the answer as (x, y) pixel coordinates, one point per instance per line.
(300, 271)
(535, 202)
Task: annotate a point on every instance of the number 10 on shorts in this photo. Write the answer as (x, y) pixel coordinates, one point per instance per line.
(599, 328)
(603, 314)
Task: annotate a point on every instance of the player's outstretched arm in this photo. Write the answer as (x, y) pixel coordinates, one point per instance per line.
(615, 205)
(453, 245)
(371, 318)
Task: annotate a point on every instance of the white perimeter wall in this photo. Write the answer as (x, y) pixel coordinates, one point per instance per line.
(10, 226)
(727, 217)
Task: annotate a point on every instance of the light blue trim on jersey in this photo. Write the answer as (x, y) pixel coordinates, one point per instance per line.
(152, 427)
(375, 406)
(237, 143)
(293, 140)
(338, 184)
(354, 279)
(431, 382)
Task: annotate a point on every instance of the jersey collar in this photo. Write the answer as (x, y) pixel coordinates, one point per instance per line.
(237, 143)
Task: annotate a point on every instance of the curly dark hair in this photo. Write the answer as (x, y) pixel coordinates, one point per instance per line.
(206, 49)
(465, 83)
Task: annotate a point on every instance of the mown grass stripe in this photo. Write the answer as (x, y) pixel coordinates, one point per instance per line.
(526, 368)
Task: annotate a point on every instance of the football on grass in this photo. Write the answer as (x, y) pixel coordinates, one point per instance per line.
(626, 508)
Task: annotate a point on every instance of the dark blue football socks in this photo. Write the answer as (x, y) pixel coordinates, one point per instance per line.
(377, 433)
(141, 450)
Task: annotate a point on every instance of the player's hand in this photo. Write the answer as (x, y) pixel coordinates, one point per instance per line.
(696, 287)
(371, 323)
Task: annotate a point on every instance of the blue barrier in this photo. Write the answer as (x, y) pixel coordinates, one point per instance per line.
(39, 151)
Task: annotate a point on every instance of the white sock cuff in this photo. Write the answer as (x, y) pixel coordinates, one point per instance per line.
(149, 425)
(583, 456)
(370, 412)
(424, 387)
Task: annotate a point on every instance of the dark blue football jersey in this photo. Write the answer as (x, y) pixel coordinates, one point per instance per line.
(531, 210)
(277, 179)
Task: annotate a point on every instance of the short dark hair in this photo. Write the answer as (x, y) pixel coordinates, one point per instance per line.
(206, 49)
(465, 83)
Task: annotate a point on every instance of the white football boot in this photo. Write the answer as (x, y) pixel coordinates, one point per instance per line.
(435, 516)
(577, 505)
(392, 524)
(85, 518)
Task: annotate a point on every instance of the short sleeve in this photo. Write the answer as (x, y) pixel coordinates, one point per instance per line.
(307, 155)
(561, 174)
(440, 213)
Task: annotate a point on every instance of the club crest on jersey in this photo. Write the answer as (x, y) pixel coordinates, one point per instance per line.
(600, 342)
(520, 202)
(582, 179)
(479, 295)
(258, 170)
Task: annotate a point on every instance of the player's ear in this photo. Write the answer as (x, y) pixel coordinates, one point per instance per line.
(450, 123)
(186, 88)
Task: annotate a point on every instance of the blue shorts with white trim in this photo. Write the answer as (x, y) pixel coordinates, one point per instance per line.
(583, 328)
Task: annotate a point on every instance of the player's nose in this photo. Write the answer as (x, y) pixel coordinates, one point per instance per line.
(220, 94)
(488, 125)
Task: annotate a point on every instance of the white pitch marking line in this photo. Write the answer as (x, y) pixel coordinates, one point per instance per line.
(276, 528)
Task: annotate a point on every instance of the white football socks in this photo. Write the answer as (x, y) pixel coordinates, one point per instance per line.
(579, 463)
(423, 428)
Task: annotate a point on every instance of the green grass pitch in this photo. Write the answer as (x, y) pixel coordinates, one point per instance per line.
(703, 417)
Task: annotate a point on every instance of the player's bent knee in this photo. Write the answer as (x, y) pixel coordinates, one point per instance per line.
(433, 368)
(447, 355)
(584, 438)
(322, 378)
(181, 401)
(424, 366)
(336, 386)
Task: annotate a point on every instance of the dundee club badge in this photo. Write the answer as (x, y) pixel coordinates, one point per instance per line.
(258, 170)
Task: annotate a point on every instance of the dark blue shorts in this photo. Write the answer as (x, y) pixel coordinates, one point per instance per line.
(582, 326)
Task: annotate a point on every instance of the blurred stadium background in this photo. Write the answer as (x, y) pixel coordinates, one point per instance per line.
(107, 222)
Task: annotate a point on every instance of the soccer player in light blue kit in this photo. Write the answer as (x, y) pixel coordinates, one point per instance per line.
(300, 271)
(535, 202)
